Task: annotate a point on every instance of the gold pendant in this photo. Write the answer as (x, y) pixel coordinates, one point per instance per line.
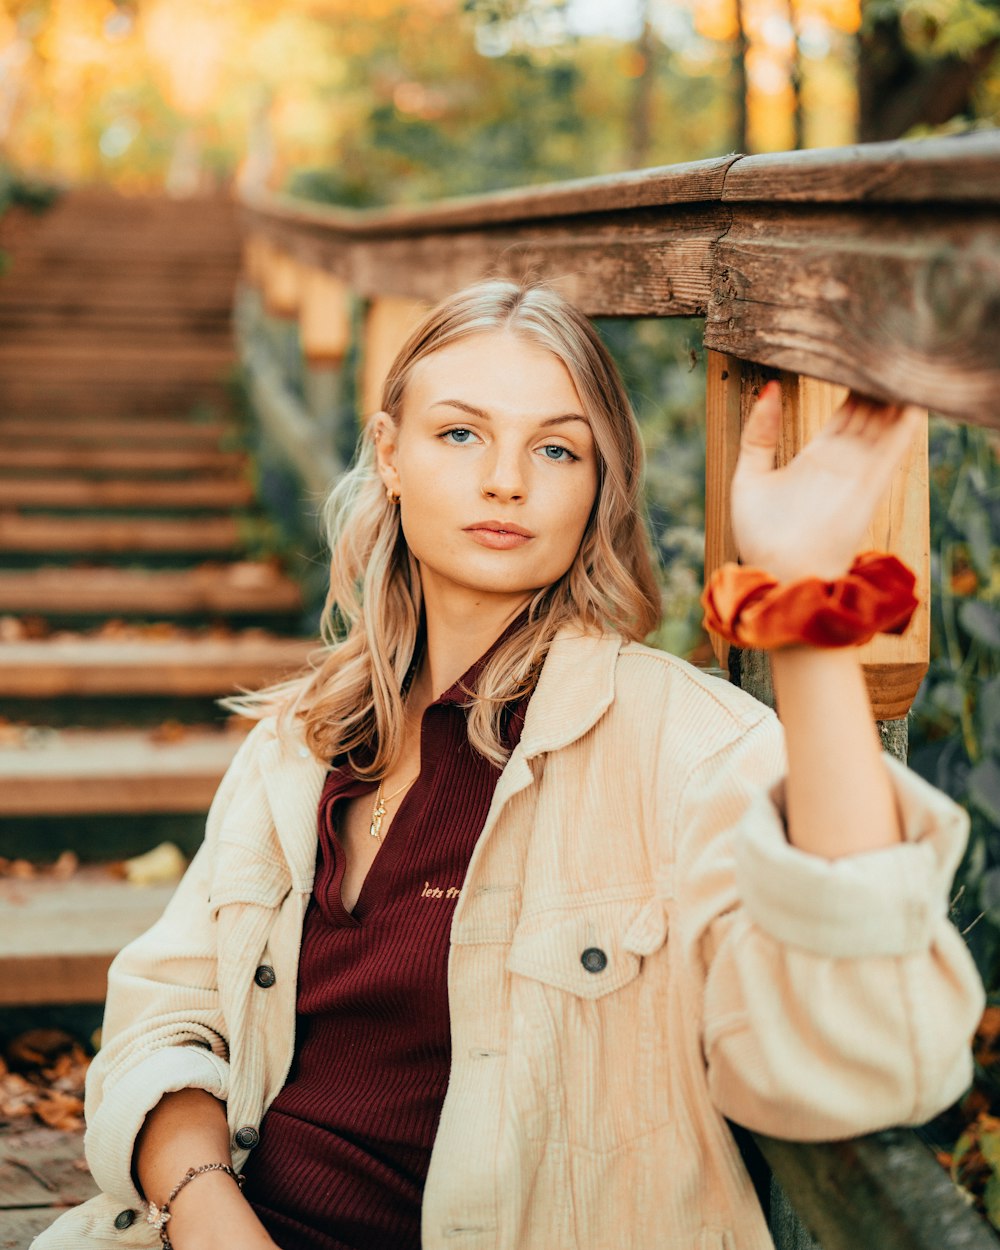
(375, 829)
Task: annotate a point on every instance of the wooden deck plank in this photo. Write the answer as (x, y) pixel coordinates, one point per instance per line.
(18, 1228)
(244, 588)
(82, 492)
(58, 938)
(140, 461)
(41, 1167)
(77, 772)
(147, 432)
(42, 1173)
(46, 534)
(185, 668)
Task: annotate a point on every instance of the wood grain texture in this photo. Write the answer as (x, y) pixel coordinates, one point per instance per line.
(693, 181)
(876, 267)
(899, 306)
(651, 262)
(92, 771)
(722, 445)
(962, 168)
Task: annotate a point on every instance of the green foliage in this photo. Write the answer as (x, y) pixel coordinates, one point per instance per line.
(663, 365)
(955, 728)
(435, 110)
(30, 193)
(936, 28)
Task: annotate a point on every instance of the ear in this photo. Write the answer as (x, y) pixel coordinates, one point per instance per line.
(384, 436)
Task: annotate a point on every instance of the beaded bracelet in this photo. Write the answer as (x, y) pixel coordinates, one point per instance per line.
(158, 1216)
(749, 607)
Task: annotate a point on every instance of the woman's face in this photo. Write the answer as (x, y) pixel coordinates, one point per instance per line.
(495, 467)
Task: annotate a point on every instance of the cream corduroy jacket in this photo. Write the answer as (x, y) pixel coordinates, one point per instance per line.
(640, 816)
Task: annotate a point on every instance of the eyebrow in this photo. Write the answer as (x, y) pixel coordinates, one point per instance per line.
(473, 411)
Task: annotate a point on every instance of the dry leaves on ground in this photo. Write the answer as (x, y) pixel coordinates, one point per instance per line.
(24, 870)
(42, 1077)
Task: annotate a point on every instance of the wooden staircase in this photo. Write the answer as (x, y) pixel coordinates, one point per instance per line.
(129, 601)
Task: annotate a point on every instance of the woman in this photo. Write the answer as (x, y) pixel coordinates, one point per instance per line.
(566, 904)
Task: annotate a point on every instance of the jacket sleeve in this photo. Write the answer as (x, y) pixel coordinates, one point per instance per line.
(163, 1027)
(838, 999)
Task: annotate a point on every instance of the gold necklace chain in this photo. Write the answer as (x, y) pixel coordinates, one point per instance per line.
(379, 810)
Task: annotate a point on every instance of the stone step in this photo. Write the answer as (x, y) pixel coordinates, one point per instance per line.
(245, 588)
(187, 667)
(88, 493)
(148, 431)
(138, 461)
(78, 772)
(58, 938)
(46, 534)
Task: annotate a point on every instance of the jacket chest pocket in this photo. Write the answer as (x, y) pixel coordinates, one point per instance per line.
(588, 1056)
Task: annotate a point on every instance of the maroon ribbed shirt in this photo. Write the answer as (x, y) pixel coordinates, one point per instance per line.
(344, 1148)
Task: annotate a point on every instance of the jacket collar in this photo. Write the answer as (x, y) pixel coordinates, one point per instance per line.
(575, 688)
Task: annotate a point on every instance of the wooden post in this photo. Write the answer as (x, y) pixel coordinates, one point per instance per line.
(894, 665)
(324, 317)
(282, 283)
(254, 251)
(388, 324)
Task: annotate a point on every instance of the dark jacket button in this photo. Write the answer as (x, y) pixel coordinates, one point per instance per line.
(246, 1138)
(124, 1219)
(264, 976)
(594, 959)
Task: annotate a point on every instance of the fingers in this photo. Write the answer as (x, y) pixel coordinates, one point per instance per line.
(869, 419)
(759, 439)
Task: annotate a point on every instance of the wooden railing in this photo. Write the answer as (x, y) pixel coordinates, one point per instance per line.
(874, 267)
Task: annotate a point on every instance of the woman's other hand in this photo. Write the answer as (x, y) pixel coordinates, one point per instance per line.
(809, 518)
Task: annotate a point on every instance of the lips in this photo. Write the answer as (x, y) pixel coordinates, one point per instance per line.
(499, 535)
(501, 527)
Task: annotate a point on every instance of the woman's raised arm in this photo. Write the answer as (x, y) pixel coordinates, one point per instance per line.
(808, 519)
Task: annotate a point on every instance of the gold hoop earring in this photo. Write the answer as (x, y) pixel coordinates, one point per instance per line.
(391, 495)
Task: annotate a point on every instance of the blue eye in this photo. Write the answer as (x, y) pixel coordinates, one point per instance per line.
(460, 436)
(554, 452)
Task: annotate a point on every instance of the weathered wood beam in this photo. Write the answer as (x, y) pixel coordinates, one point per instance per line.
(883, 1191)
(900, 304)
(645, 263)
(875, 266)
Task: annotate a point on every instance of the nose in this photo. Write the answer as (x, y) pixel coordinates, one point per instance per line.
(503, 478)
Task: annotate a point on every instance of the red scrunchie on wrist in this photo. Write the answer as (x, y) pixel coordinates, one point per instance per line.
(750, 608)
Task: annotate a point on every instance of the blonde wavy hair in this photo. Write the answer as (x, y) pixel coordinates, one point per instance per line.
(352, 698)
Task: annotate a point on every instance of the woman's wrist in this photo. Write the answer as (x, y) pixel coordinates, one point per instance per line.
(210, 1212)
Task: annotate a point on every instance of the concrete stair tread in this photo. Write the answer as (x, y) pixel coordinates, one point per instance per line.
(211, 667)
(57, 938)
(243, 587)
(85, 771)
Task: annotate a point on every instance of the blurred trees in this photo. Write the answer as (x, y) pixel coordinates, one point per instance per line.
(925, 63)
